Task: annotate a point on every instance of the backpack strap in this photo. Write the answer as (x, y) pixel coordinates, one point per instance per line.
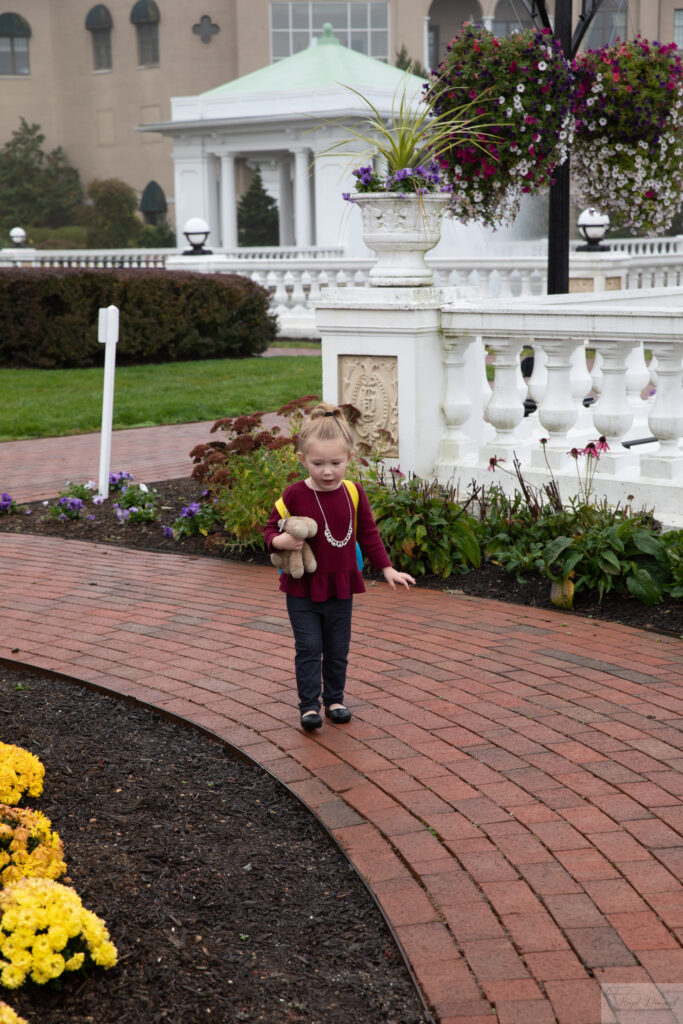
(282, 508)
(353, 491)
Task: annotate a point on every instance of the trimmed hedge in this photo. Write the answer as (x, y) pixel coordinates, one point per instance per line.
(49, 317)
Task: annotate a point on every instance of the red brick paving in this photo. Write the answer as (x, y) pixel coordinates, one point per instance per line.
(509, 786)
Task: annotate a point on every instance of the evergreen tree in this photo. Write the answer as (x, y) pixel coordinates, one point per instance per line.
(258, 222)
(37, 189)
(406, 63)
(112, 221)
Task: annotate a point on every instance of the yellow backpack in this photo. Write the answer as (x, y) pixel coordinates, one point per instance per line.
(353, 491)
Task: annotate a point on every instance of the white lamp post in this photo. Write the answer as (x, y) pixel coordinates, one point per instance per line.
(196, 231)
(593, 227)
(18, 237)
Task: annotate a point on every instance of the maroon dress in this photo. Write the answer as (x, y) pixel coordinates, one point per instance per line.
(337, 574)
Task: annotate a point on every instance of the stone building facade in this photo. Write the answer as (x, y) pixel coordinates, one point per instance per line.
(91, 74)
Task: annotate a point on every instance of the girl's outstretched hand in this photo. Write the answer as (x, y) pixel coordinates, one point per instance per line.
(393, 576)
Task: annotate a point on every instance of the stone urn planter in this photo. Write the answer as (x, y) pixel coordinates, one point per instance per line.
(401, 229)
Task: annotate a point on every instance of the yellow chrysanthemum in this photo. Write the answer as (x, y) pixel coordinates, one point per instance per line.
(51, 916)
(28, 846)
(20, 773)
(8, 1016)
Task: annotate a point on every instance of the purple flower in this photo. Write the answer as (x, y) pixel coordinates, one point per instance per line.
(168, 531)
(6, 502)
(188, 511)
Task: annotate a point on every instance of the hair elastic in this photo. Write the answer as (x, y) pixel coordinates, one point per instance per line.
(328, 414)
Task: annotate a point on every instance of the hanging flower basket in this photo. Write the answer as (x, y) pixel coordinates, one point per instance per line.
(521, 87)
(627, 152)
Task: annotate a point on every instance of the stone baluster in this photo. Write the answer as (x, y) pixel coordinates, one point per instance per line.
(280, 298)
(298, 299)
(581, 385)
(457, 403)
(637, 378)
(558, 410)
(539, 375)
(504, 410)
(666, 418)
(612, 414)
(596, 372)
(526, 282)
(505, 276)
(311, 281)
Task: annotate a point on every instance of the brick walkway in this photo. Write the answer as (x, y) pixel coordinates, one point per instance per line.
(509, 786)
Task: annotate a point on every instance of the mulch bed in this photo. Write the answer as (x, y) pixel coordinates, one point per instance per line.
(226, 899)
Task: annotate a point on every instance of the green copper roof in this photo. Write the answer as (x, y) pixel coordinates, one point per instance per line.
(321, 66)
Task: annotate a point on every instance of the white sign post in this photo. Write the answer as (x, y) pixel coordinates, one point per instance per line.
(108, 335)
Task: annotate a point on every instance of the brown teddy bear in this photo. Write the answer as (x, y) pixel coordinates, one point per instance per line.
(295, 563)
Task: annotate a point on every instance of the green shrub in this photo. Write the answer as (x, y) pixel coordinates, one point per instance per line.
(247, 473)
(50, 317)
(424, 529)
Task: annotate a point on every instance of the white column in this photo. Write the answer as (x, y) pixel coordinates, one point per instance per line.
(228, 202)
(302, 197)
(666, 419)
(457, 402)
(285, 202)
(505, 410)
(612, 414)
(558, 410)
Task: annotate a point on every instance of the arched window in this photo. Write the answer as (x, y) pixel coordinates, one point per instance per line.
(153, 203)
(608, 25)
(99, 24)
(145, 16)
(15, 33)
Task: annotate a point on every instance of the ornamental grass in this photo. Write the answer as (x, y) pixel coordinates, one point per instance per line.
(21, 773)
(45, 930)
(28, 846)
(8, 1016)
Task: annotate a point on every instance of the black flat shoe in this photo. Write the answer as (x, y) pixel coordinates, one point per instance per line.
(311, 720)
(338, 715)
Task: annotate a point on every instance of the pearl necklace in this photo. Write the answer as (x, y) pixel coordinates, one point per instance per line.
(328, 534)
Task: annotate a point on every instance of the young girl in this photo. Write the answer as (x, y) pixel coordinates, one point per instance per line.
(319, 604)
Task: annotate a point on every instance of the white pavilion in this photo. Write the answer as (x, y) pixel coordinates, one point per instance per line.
(280, 119)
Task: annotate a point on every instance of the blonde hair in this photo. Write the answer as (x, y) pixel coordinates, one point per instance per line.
(325, 422)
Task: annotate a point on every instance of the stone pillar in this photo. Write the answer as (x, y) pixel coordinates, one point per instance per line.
(302, 197)
(228, 204)
(382, 352)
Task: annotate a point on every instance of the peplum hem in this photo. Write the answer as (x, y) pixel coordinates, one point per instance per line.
(322, 586)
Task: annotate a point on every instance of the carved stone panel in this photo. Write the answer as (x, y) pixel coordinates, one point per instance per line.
(371, 384)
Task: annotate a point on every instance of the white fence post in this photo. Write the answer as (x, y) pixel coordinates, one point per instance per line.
(108, 335)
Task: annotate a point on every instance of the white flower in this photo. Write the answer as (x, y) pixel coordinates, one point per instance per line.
(542, 65)
(501, 99)
(520, 87)
(98, 499)
(143, 487)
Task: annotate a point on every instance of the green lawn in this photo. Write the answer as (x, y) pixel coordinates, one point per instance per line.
(48, 403)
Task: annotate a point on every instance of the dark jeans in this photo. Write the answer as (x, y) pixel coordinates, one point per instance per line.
(322, 635)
